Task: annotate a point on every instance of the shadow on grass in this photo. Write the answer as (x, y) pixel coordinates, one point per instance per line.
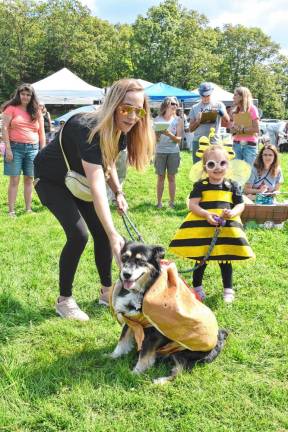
(15, 314)
(92, 367)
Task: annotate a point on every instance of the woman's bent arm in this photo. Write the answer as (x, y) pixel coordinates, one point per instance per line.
(96, 179)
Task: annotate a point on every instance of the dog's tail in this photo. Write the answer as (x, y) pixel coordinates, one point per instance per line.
(186, 360)
(211, 355)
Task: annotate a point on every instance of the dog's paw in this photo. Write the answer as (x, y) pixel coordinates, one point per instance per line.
(114, 355)
(161, 381)
(136, 371)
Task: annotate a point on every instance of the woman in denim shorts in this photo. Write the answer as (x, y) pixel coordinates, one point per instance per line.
(167, 156)
(23, 133)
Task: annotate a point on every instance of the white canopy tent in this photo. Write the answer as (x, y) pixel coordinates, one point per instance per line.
(144, 83)
(65, 88)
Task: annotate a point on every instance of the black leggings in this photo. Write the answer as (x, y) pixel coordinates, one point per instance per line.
(72, 214)
(226, 273)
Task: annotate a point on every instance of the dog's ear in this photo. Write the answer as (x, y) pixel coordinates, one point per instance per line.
(158, 252)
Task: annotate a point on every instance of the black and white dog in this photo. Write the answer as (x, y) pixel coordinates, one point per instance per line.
(140, 269)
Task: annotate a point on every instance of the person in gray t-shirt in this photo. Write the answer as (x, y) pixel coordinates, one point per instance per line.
(207, 104)
(167, 157)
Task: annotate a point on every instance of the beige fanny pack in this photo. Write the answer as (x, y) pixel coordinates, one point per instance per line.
(75, 182)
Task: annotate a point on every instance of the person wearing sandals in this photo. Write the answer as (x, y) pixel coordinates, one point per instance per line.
(91, 143)
(23, 133)
(167, 157)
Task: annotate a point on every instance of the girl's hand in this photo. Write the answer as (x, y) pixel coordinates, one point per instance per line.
(210, 218)
(227, 213)
(117, 242)
(122, 205)
(8, 155)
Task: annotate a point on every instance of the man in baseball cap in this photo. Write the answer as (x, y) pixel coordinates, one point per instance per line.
(206, 89)
(201, 124)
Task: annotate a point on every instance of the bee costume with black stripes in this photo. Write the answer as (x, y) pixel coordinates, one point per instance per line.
(193, 238)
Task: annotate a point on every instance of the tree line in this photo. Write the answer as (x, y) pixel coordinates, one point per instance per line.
(170, 44)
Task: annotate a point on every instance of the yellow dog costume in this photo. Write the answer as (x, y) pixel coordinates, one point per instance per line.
(173, 309)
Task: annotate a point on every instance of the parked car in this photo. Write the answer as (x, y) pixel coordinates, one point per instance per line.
(271, 128)
(265, 124)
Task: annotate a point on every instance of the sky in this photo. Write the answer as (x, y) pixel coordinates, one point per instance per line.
(270, 15)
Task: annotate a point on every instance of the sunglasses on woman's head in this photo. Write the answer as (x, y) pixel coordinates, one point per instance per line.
(211, 164)
(126, 110)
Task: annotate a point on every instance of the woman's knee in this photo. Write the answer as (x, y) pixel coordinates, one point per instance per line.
(14, 181)
(161, 180)
(78, 236)
(28, 180)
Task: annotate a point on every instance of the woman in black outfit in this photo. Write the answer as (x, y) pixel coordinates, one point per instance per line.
(91, 143)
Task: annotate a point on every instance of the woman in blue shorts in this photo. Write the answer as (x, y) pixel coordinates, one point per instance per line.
(167, 156)
(23, 133)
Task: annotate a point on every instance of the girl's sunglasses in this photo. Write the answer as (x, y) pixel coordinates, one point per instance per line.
(126, 110)
(211, 164)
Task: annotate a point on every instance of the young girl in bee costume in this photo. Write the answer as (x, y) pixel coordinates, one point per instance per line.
(211, 197)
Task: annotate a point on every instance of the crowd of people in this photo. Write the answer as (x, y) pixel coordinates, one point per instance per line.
(90, 144)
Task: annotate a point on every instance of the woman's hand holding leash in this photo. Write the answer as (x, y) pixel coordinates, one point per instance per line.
(117, 242)
(122, 205)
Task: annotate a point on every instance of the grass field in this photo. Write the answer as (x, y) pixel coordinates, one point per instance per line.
(54, 374)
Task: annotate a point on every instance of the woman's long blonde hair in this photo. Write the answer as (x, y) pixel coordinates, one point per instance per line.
(140, 139)
(247, 100)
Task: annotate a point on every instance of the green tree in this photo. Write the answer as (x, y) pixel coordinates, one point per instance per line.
(240, 49)
(173, 44)
(20, 33)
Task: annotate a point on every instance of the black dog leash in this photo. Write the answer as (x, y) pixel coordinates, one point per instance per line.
(127, 221)
(221, 223)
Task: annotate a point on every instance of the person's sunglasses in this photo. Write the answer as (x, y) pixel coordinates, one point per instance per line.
(126, 110)
(211, 164)
(174, 104)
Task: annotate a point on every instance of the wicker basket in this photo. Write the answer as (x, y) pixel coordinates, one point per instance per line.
(277, 213)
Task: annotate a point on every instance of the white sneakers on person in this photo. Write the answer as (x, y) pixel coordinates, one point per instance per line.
(68, 308)
(228, 295)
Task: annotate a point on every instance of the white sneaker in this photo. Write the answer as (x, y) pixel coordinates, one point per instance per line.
(68, 308)
(228, 295)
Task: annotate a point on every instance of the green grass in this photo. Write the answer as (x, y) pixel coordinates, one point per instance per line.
(54, 374)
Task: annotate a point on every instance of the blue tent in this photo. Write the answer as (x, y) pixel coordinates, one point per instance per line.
(157, 92)
(85, 108)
